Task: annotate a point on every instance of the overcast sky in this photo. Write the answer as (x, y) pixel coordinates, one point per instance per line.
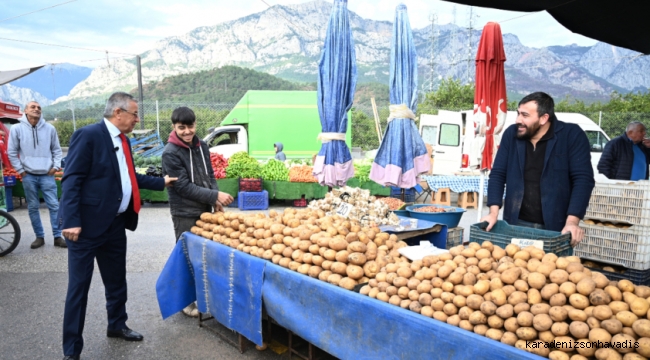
(134, 26)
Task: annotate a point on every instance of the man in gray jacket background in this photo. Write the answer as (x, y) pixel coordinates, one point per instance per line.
(35, 153)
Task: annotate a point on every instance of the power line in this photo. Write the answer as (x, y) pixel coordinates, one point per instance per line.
(64, 46)
(35, 11)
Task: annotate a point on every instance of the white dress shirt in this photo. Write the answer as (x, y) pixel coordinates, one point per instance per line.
(124, 169)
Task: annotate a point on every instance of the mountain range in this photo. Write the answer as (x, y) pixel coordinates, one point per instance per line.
(286, 41)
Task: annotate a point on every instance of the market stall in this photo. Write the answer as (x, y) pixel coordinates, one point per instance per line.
(341, 322)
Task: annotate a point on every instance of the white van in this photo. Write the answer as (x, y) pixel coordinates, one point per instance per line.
(451, 134)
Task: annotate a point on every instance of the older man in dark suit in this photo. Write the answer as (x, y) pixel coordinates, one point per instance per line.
(100, 199)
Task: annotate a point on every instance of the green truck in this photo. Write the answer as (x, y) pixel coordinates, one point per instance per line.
(262, 118)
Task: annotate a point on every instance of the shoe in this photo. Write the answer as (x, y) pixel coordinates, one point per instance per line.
(191, 310)
(126, 334)
(38, 243)
(71, 357)
(60, 242)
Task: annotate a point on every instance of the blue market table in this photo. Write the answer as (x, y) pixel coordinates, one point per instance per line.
(234, 287)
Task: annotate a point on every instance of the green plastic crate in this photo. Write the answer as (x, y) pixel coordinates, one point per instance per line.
(502, 234)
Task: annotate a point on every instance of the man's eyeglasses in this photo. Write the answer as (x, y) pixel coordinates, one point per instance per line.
(132, 113)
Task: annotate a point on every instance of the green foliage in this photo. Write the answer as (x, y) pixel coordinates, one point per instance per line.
(451, 95)
(362, 170)
(226, 84)
(241, 165)
(364, 133)
(275, 170)
(65, 128)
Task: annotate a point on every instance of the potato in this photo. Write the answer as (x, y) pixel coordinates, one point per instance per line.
(600, 279)
(511, 275)
(568, 288)
(354, 272)
(560, 328)
(602, 312)
(549, 290)
(633, 356)
(525, 319)
(558, 299)
(326, 273)
(542, 322)
(348, 283)
(626, 342)
(585, 286)
(640, 307)
(559, 276)
(334, 279)
(585, 348)
(614, 293)
(534, 296)
(474, 301)
(625, 286)
(558, 313)
(509, 338)
(579, 301)
(504, 311)
(577, 276)
(558, 355)
(626, 318)
(499, 297)
(608, 354)
(440, 316)
(494, 334)
(526, 333)
(618, 306)
(599, 334)
(579, 329)
(521, 307)
(536, 280)
(599, 297)
(578, 315)
(644, 347)
(477, 318)
(517, 297)
(481, 287)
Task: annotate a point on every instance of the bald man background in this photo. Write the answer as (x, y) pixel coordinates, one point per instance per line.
(35, 153)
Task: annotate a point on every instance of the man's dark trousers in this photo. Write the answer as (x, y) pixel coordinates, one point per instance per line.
(110, 251)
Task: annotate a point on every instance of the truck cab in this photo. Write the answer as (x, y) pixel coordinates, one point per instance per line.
(227, 140)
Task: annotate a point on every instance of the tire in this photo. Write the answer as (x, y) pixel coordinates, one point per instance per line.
(9, 234)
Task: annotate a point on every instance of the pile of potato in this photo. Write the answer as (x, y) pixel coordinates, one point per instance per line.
(515, 295)
(329, 248)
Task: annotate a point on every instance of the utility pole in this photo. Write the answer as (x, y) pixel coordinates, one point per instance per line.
(469, 43)
(427, 85)
(140, 93)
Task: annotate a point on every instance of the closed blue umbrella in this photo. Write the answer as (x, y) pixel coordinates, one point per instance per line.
(337, 79)
(402, 155)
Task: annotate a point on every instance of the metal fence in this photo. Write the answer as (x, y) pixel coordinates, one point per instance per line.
(157, 117)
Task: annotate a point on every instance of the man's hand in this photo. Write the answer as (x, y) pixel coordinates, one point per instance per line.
(51, 172)
(72, 234)
(169, 180)
(224, 198)
(571, 226)
(646, 143)
(492, 217)
(22, 174)
(218, 207)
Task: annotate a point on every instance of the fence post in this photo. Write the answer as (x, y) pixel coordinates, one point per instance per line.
(157, 119)
(600, 117)
(74, 122)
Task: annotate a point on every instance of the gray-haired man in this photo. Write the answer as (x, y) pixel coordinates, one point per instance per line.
(627, 157)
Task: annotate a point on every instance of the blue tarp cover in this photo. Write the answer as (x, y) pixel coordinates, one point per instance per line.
(343, 323)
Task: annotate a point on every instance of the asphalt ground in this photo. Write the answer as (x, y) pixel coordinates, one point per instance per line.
(33, 286)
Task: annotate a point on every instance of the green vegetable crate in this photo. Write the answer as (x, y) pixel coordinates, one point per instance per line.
(502, 234)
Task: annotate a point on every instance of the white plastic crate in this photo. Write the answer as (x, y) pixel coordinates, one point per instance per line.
(454, 237)
(626, 247)
(628, 203)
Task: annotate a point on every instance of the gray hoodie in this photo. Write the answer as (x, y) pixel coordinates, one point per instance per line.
(34, 149)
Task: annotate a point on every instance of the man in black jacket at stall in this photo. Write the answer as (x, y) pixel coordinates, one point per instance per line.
(195, 191)
(627, 157)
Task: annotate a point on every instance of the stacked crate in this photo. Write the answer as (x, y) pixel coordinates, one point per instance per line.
(625, 240)
(251, 195)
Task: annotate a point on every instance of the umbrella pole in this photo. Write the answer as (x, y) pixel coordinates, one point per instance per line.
(403, 195)
(480, 196)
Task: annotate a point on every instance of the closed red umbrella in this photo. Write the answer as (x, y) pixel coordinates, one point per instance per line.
(490, 102)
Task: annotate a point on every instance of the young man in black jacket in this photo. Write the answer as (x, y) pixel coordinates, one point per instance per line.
(187, 158)
(627, 157)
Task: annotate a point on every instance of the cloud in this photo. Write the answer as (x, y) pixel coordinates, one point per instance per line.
(135, 26)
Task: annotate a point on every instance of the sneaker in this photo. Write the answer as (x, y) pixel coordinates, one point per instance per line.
(191, 310)
(38, 243)
(60, 242)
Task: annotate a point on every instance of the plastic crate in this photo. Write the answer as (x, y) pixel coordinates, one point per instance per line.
(502, 234)
(250, 185)
(628, 203)
(9, 198)
(300, 202)
(9, 180)
(638, 277)
(454, 237)
(253, 200)
(409, 194)
(626, 247)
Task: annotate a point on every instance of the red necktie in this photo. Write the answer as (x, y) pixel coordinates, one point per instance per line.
(134, 183)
